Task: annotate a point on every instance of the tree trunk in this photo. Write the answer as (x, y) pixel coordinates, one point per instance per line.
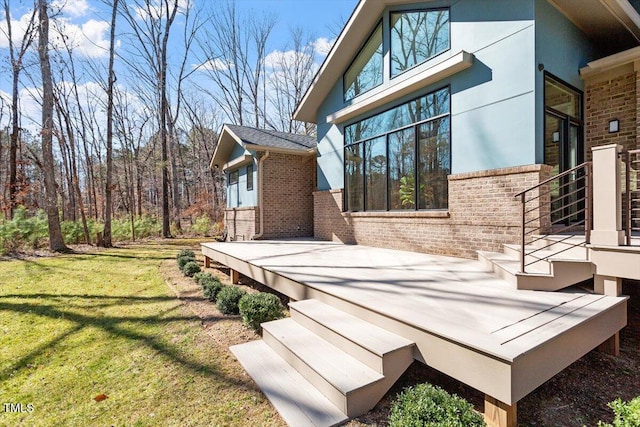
(56, 241)
(107, 241)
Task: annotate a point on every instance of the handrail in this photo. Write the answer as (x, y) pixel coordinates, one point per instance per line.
(546, 181)
(631, 198)
(575, 199)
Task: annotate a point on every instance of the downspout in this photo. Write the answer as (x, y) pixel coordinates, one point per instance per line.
(260, 198)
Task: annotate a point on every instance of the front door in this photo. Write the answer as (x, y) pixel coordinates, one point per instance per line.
(564, 149)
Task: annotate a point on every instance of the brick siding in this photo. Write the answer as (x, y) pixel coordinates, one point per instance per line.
(615, 98)
(241, 223)
(288, 184)
(482, 215)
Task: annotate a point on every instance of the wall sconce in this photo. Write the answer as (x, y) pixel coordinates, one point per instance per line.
(556, 136)
(614, 126)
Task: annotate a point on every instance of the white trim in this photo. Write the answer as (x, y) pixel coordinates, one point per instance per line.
(450, 66)
(238, 161)
(294, 151)
(609, 62)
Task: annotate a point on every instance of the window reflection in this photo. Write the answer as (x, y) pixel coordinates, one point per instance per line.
(365, 72)
(417, 36)
(381, 153)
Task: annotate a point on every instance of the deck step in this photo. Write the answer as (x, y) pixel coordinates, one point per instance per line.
(335, 373)
(296, 399)
(381, 350)
(348, 361)
(548, 275)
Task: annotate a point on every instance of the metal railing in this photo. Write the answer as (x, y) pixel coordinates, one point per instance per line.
(631, 193)
(560, 204)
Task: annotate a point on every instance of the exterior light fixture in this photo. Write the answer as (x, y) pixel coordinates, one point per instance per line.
(614, 126)
(556, 136)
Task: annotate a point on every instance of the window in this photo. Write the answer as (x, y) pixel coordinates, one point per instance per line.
(233, 177)
(365, 72)
(416, 37)
(400, 159)
(250, 177)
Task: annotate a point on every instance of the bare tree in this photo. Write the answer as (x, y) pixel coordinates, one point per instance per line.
(291, 74)
(16, 57)
(106, 238)
(56, 241)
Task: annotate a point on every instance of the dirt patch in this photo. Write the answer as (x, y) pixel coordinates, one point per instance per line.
(578, 396)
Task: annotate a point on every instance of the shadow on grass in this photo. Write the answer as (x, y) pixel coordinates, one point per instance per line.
(116, 326)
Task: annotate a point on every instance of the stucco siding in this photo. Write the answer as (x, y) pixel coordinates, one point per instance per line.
(492, 103)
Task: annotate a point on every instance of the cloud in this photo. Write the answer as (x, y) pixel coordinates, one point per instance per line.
(156, 9)
(215, 64)
(279, 59)
(323, 45)
(74, 8)
(18, 29)
(89, 39)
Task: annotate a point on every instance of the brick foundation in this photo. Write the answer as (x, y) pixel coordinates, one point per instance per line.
(482, 215)
(241, 223)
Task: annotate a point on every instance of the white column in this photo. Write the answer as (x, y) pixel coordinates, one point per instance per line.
(607, 199)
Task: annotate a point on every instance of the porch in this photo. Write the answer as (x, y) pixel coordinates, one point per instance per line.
(463, 319)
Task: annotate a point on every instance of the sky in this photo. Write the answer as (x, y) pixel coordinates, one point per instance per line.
(85, 24)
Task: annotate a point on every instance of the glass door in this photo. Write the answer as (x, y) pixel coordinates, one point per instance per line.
(564, 149)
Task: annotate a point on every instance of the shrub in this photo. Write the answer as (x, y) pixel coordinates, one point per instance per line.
(23, 230)
(190, 268)
(228, 298)
(202, 276)
(184, 260)
(186, 253)
(627, 414)
(211, 288)
(258, 308)
(427, 405)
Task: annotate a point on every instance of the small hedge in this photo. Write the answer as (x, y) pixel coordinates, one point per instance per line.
(425, 405)
(186, 253)
(228, 298)
(201, 277)
(184, 260)
(627, 414)
(258, 308)
(211, 288)
(191, 268)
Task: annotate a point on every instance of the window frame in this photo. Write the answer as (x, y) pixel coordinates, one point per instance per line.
(386, 134)
(448, 9)
(250, 177)
(355, 57)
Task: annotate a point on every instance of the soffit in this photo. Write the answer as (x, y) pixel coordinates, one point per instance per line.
(603, 20)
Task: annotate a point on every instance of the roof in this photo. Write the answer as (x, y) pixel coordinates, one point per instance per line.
(255, 139)
(608, 20)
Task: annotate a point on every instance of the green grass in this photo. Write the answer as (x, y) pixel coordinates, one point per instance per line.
(73, 327)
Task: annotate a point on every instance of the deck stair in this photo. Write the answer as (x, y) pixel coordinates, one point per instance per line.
(322, 366)
(554, 263)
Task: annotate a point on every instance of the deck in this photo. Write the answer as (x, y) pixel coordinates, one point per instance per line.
(465, 321)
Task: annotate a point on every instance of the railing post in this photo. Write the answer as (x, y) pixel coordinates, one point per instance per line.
(588, 204)
(522, 230)
(607, 199)
(627, 194)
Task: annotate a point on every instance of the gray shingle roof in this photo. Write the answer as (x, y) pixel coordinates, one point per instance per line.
(271, 138)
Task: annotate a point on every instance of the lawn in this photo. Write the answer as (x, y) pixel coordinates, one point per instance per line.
(104, 324)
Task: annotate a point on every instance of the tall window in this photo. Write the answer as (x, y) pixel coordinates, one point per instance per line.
(365, 72)
(417, 36)
(250, 177)
(400, 159)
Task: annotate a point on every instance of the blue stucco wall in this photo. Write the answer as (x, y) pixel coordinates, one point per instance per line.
(497, 106)
(492, 103)
(563, 49)
(237, 194)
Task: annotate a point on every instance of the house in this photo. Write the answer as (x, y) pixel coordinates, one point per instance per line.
(270, 179)
(501, 131)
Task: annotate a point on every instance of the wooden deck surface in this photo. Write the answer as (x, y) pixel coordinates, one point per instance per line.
(451, 297)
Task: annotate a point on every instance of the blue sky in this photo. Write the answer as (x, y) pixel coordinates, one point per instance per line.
(85, 23)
